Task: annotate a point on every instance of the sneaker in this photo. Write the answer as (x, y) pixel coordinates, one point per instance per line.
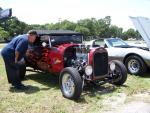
(21, 87)
(23, 79)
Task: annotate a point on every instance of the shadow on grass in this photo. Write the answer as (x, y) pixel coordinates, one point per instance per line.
(52, 81)
(46, 79)
(96, 90)
(93, 90)
(30, 90)
(146, 75)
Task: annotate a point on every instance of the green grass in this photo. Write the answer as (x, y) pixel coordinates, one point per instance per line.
(2, 45)
(44, 95)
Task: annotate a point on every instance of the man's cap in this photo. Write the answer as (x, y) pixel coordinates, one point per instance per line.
(32, 32)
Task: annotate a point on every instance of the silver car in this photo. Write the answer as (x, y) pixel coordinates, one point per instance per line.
(136, 59)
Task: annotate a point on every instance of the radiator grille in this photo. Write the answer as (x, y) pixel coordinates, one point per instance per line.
(100, 63)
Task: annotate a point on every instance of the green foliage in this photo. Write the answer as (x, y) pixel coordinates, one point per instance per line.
(102, 27)
(15, 26)
(89, 24)
(131, 33)
(67, 25)
(82, 30)
(115, 31)
(4, 35)
(37, 26)
(89, 27)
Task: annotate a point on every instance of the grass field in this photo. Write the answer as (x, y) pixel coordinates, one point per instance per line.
(44, 95)
(2, 45)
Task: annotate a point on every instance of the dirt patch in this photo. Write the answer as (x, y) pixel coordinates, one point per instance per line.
(121, 103)
(132, 107)
(1, 77)
(115, 100)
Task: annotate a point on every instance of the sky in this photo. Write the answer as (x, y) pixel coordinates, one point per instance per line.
(52, 11)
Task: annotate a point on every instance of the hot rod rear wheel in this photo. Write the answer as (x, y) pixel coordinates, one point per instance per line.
(119, 75)
(70, 83)
(135, 65)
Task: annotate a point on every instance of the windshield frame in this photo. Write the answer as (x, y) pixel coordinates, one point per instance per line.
(116, 42)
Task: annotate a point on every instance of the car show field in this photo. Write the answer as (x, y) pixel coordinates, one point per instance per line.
(45, 96)
(75, 56)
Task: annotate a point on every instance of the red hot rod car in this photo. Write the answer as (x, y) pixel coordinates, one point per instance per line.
(62, 52)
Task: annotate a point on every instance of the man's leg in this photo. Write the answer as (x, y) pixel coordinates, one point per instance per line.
(8, 72)
(12, 73)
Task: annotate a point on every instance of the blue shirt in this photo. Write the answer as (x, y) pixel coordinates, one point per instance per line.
(19, 43)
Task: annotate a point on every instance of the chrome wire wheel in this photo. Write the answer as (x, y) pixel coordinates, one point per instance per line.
(68, 85)
(133, 66)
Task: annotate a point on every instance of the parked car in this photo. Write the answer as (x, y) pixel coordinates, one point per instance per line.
(136, 59)
(138, 44)
(62, 52)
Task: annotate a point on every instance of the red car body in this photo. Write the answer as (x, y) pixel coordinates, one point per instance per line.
(63, 53)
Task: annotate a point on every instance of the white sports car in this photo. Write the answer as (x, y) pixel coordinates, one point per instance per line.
(136, 59)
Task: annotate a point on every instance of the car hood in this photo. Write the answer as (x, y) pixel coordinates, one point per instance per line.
(142, 24)
(121, 52)
(132, 46)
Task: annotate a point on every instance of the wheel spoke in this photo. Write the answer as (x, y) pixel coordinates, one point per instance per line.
(133, 66)
(68, 84)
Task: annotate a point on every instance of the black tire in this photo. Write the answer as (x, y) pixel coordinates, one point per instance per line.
(22, 71)
(135, 65)
(74, 79)
(119, 75)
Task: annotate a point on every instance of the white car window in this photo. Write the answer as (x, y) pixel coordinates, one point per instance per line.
(100, 43)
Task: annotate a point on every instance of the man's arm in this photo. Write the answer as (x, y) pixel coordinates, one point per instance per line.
(20, 49)
(16, 56)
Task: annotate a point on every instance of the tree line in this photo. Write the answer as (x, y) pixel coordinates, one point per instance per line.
(90, 28)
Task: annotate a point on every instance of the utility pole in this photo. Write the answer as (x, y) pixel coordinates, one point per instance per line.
(59, 19)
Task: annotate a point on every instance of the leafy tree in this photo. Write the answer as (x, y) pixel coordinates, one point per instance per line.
(115, 31)
(37, 27)
(89, 24)
(138, 36)
(4, 35)
(130, 33)
(102, 27)
(49, 26)
(83, 30)
(90, 27)
(14, 26)
(67, 25)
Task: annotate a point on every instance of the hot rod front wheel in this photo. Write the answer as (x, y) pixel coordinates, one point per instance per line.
(119, 74)
(70, 83)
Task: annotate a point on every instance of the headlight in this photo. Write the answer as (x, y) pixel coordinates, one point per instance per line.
(112, 66)
(88, 70)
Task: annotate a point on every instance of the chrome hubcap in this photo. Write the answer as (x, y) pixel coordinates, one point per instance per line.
(68, 84)
(133, 66)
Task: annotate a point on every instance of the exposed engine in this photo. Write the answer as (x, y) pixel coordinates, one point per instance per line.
(76, 57)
